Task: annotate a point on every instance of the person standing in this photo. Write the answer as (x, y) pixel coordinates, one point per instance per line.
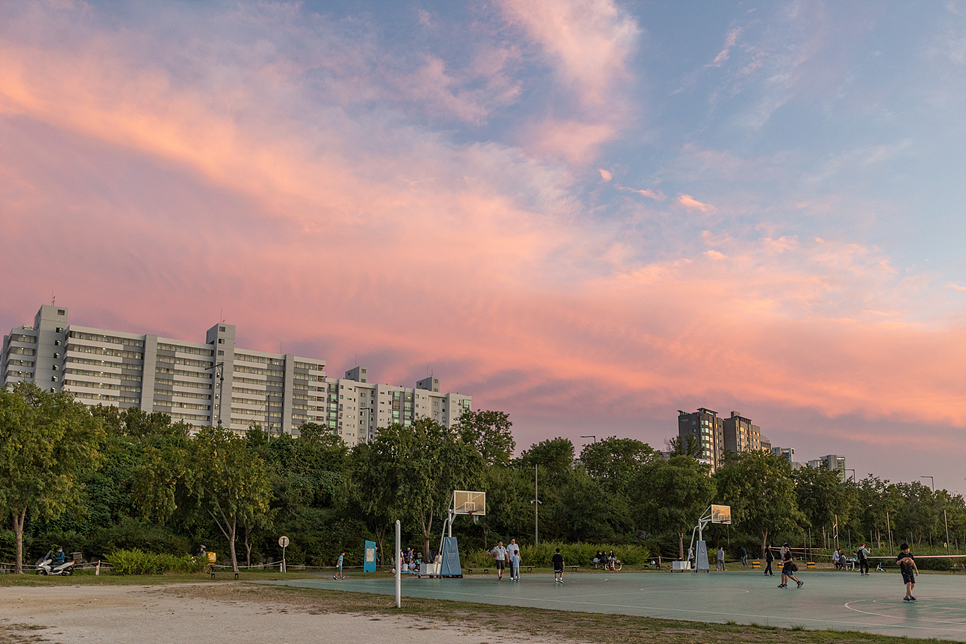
(499, 554)
(744, 556)
(788, 569)
(721, 564)
(769, 557)
(338, 567)
(515, 565)
(558, 566)
(909, 570)
(863, 556)
(512, 549)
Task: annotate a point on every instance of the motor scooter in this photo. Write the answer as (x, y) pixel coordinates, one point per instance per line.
(46, 566)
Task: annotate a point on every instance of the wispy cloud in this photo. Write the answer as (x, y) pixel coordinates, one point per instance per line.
(690, 203)
(730, 41)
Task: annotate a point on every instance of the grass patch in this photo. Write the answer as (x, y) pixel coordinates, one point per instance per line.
(20, 633)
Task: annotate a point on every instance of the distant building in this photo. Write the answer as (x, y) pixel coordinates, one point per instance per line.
(765, 443)
(214, 382)
(832, 462)
(740, 434)
(707, 430)
(787, 453)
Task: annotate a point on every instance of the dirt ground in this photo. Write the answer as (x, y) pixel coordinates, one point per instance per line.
(178, 613)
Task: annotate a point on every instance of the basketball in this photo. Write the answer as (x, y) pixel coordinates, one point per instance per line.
(905, 561)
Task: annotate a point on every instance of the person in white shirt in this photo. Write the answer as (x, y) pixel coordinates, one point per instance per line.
(499, 554)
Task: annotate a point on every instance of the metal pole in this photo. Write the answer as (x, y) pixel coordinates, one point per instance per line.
(946, 521)
(398, 564)
(889, 529)
(536, 510)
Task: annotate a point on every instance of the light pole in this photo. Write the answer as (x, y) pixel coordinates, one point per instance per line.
(591, 436)
(945, 521)
(933, 482)
(536, 509)
(849, 469)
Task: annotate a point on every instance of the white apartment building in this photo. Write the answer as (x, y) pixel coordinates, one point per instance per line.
(211, 383)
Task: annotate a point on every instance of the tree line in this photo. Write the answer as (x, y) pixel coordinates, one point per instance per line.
(101, 479)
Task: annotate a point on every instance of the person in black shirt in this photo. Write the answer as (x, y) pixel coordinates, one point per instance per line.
(788, 571)
(558, 566)
(769, 557)
(909, 570)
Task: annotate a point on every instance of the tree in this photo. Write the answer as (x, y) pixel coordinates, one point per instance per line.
(671, 495)
(760, 490)
(490, 432)
(229, 481)
(556, 455)
(415, 470)
(47, 442)
(613, 461)
(821, 496)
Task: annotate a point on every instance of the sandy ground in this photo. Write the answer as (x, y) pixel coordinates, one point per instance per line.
(154, 615)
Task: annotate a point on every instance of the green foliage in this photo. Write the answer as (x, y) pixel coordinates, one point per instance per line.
(138, 562)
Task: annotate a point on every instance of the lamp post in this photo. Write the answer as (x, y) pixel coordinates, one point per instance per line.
(591, 436)
(933, 481)
(849, 469)
(945, 521)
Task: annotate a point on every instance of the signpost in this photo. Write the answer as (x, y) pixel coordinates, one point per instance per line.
(283, 541)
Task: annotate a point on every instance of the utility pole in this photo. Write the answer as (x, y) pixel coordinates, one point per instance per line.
(536, 509)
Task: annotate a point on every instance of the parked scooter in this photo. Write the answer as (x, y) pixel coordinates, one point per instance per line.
(46, 566)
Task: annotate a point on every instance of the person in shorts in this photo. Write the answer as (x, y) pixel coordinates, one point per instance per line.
(788, 569)
(558, 565)
(338, 567)
(499, 554)
(909, 570)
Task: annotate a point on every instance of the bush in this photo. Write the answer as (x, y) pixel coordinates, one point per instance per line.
(575, 554)
(138, 562)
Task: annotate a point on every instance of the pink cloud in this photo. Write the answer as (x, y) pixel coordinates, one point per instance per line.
(690, 203)
(340, 233)
(650, 194)
(730, 41)
(605, 175)
(575, 141)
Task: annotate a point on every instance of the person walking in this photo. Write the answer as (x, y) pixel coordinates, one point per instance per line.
(769, 557)
(909, 570)
(863, 556)
(721, 564)
(558, 566)
(515, 565)
(338, 567)
(499, 554)
(788, 569)
(744, 556)
(511, 550)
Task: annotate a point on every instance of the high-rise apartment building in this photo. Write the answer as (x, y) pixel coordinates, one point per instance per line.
(832, 462)
(211, 383)
(740, 434)
(788, 454)
(707, 429)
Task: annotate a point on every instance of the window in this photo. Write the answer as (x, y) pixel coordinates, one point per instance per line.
(53, 378)
(220, 352)
(61, 312)
(221, 329)
(221, 341)
(56, 355)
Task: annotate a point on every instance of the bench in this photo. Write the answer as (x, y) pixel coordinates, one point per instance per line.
(486, 571)
(211, 571)
(529, 568)
(572, 568)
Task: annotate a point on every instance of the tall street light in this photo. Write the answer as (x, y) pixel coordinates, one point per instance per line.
(591, 436)
(849, 469)
(945, 520)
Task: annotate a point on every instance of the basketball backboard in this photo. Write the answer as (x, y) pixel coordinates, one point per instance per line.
(465, 502)
(721, 514)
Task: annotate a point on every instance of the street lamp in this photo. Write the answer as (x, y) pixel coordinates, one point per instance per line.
(932, 480)
(591, 436)
(849, 469)
(945, 520)
(536, 509)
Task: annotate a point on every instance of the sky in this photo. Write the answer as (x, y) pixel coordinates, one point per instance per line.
(589, 214)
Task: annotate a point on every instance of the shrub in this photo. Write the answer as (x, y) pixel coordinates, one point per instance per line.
(138, 562)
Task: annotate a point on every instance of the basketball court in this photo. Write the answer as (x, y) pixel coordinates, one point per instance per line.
(828, 600)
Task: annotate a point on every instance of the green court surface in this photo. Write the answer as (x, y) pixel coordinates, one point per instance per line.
(828, 600)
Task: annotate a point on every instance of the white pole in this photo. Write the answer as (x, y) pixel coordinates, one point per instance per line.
(398, 565)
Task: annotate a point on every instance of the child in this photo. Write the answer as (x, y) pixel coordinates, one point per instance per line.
(909, 570)
(515, 566)
(558, 566)
(338, 567)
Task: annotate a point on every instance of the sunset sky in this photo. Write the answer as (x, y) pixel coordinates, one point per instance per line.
(586, 213)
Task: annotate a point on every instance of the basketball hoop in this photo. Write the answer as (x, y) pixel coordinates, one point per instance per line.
(472, 513)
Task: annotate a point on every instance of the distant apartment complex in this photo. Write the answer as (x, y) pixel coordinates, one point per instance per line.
(715, 435)
(832, 462)
(212, 383)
